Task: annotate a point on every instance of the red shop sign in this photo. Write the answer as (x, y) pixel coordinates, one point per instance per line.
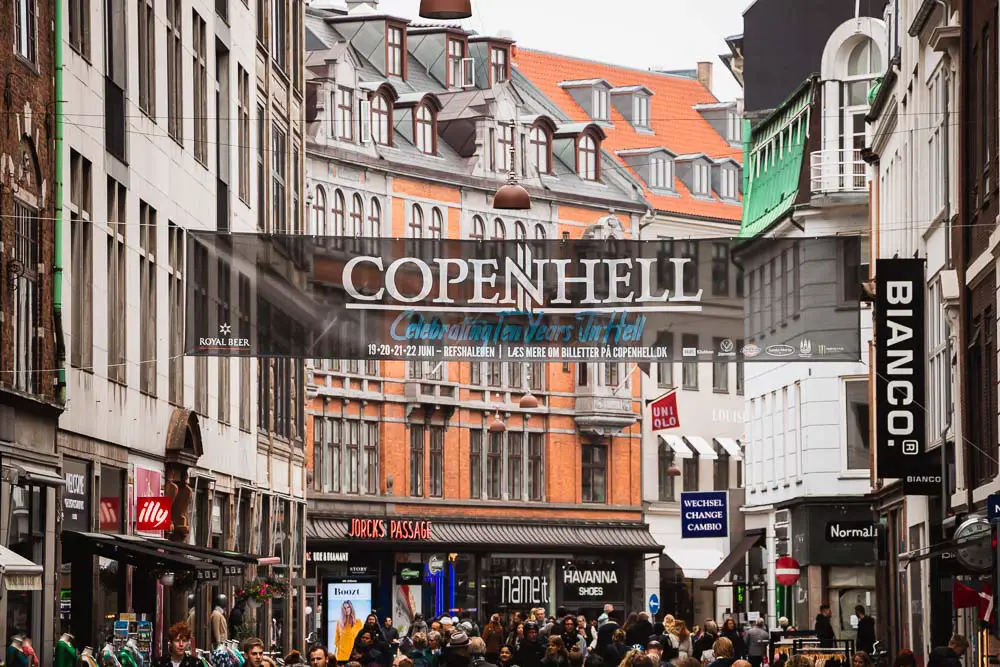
(152, 514)
(392, 529)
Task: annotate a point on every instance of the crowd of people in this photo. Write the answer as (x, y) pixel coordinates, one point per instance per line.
(537, 640)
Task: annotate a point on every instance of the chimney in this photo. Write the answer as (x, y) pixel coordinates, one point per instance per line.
(705, 74)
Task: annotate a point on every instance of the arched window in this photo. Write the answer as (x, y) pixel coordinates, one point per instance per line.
(541, 150)
(520, 233)
(416, 229)
(478, 229)
(375, 219)
(357, 216)
(423, 131)
(436, 229)
(540, 232)
(586, 157)
(499, 230)
(381, 121)
(317, 221)
(339, 212)
(865, 59)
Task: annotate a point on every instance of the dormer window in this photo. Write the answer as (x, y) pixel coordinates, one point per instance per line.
(424, 130)
(701, 178)
(499, 64)
(381, 121)
(456, 53)
(541, 149)
(395, 51)
(587, 153)
(729, 187)
(343, 114)
(661, 172)
(734, 127)
(640, 111)
(600, 108)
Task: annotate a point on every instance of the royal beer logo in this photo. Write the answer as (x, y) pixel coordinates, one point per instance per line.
(152, 514)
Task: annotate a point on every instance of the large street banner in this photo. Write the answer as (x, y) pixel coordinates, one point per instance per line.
(900, 375)
(532, 300)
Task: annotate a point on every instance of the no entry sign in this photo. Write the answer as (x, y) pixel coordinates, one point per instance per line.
(787, 570)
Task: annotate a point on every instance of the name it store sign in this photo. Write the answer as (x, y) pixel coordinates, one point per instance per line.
(390, 529)
(704, 514)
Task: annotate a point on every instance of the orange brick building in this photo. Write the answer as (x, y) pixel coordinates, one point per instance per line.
(409, 135)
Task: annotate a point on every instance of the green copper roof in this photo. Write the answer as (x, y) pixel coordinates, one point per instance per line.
(773, 162)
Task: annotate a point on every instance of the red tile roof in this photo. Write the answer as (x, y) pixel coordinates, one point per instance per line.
(677, 126)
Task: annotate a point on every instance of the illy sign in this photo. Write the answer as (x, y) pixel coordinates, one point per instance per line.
(152, 514)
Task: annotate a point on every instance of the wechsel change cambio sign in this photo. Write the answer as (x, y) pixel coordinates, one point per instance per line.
(565, 300)
(704, 514)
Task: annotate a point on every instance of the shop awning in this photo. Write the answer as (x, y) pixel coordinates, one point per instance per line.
(677, 444)
(19, 573)
(36, 475)
(230, 563)
(141, 553)
(730, 561)
(701, 446)
(732, 447)
(492, 534)
(695, 563)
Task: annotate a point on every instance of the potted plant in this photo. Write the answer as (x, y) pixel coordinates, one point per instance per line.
(262, 590)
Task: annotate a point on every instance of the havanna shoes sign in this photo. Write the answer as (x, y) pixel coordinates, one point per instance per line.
(585, 582)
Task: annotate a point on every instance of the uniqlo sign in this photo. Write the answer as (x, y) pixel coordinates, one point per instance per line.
(664, 412)
(152, 514)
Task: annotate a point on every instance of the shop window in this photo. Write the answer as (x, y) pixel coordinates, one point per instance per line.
(475, 464)
(26, 538)
(665, 459)
(494, 467)
(722, 472)
(856, 399)
(417, 460)
(595, 473)
(690, 474)
(244, 524)
(112, 494)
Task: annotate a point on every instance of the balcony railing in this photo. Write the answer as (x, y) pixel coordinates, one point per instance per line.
(839, 170)
(603, 412)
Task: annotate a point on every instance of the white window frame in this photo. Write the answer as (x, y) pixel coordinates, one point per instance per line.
(701, 178)
(600, 104)
(939, 376)
(640, 110)
(26, 30)
(936, 196)
(661, 173)
(845, 470)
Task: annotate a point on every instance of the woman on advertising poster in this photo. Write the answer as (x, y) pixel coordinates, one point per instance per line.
(347, 630)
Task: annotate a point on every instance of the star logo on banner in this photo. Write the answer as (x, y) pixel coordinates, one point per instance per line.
(225, 330)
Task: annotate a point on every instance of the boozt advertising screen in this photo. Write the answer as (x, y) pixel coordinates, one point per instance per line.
(533, 301)
(346, 604)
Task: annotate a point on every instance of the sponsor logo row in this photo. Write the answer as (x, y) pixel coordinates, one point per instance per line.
(727, 348)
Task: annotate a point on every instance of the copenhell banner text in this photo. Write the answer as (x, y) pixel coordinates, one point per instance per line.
(704, 300)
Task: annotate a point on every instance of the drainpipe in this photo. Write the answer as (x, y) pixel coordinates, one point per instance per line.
(57, 261)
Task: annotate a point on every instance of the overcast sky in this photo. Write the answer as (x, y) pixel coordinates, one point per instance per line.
(672, 34)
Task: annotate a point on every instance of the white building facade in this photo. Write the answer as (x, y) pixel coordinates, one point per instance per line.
(182, 116)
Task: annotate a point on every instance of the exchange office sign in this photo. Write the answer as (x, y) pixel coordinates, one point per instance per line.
(704, 514)
(597, 582)
(900, 375)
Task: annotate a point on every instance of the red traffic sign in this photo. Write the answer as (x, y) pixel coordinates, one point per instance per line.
(787, 570)
(664, 412)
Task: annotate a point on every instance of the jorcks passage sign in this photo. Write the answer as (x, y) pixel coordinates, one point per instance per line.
(900, 375)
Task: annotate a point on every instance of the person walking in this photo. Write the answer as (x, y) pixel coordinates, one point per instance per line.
(493, 636)
(824, 628)
(758, 639)
(866, 631)
(950, 655)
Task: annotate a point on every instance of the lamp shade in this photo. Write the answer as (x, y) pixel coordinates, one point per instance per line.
(512, 197)
(528, 402)
(443, 10)
(497, 426)
(673, 471)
